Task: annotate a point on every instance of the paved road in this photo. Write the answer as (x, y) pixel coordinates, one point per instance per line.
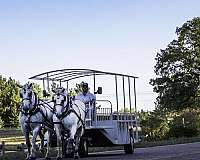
(190, 151)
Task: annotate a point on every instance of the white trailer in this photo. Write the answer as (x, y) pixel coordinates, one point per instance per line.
(106, 125)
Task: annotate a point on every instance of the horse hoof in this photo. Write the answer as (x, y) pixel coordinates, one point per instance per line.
(42, 151)
(47, 158)
(69, 155)
(76, 157)
(37, 148)
(58, 158)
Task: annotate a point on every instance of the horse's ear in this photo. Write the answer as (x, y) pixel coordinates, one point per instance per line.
(53, 90)
(20, 86)
(63, 90)
(31, 85)
(52, 98)
(20, 94)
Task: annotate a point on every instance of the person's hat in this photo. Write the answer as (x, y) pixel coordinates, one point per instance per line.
(84, 84)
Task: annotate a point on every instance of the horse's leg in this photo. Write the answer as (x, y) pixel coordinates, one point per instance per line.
(59, 141)
(76, 144)
(28, 143)
(48, 145)
(77, 138)
(41, 134)
(73, 141)
(33, 141)
(26, 131)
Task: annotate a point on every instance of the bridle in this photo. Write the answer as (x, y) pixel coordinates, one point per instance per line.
(65, 108)
(35, 109)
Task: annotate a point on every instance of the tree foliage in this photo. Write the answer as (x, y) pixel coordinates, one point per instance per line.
(37, 89)
(76, 90)
(155, 125)
(158, 125)
(9, 101)
(178, 68)
(185, 124)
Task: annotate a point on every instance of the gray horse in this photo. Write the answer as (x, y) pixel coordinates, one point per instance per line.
(35, 115)
(68, 119)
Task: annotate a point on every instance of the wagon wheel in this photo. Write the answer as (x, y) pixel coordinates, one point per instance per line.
(129, 148)
(83, 148)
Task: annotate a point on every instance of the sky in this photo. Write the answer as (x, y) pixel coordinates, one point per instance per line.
(120, 36)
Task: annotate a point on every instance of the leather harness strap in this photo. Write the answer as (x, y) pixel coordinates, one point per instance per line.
(35, 110)
(71, 110)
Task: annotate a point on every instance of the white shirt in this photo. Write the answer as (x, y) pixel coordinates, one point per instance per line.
(88, 97)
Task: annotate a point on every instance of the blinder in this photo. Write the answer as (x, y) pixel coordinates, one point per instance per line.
(21, 96)
(53, 100)
(64, 98)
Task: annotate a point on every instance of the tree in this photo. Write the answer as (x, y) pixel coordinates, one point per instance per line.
(185, 124)
(76, 90)
(178, 68)
(9, 101)
(126, 110)
(37, 89)
(154, 125)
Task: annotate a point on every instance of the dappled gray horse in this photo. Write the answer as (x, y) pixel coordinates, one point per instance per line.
(34, 115)
(69, 119)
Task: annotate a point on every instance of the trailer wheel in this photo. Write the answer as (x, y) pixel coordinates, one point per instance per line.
(129, 148)
(83, 148)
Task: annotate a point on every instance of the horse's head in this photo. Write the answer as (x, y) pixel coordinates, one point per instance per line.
(61, 101)
(28, 98)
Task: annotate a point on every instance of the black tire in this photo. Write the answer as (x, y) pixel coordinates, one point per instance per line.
(129, 148)
(83, 148)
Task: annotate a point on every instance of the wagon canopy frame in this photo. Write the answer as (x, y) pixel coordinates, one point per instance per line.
(66, 75)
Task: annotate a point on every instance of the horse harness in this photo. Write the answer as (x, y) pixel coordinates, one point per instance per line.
(34, 111)
(69, 109)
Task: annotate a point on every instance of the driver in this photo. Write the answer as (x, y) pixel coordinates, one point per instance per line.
(88, 99)
(85, 96)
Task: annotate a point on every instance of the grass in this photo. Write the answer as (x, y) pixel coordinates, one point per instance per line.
(13, 140)
(10, 132)
(13, 155)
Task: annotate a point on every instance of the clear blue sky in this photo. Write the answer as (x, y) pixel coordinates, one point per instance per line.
(110, 35)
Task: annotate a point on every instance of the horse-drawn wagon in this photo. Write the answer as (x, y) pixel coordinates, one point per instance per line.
(113, 119)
